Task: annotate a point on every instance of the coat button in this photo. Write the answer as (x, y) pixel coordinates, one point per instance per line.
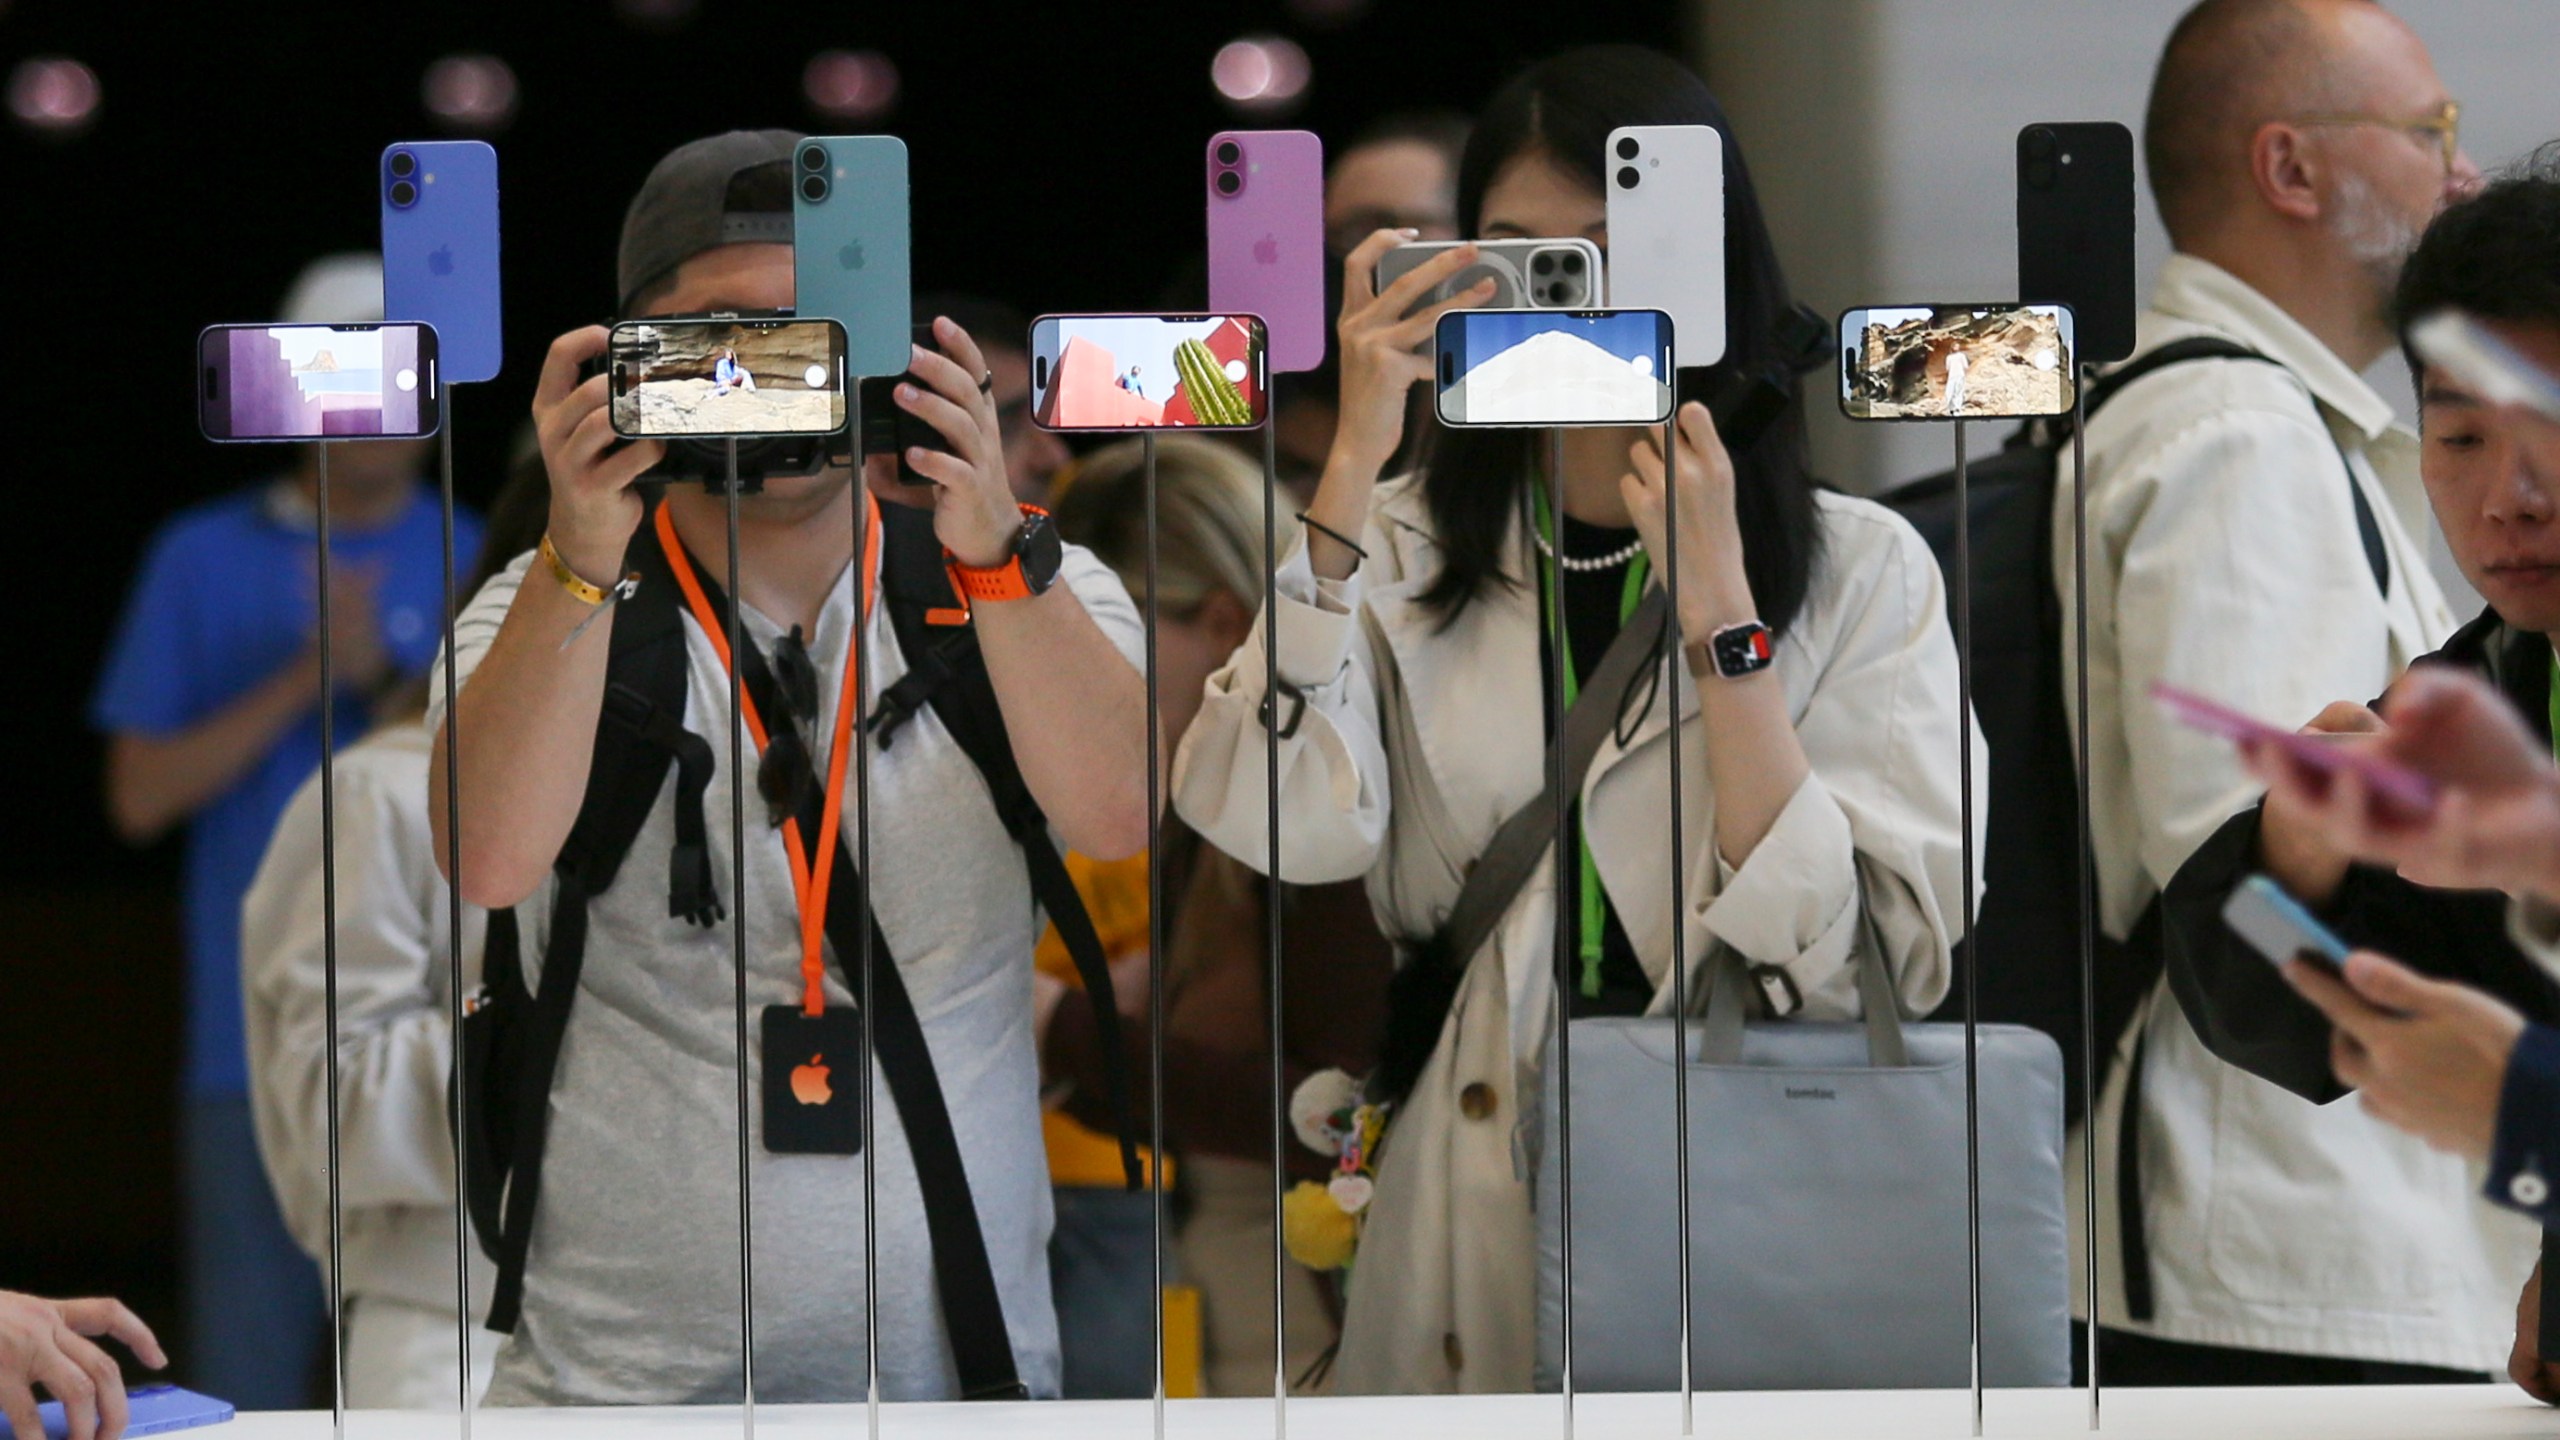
(1476, 1101)
(2529, 1190)
(1451, 1352)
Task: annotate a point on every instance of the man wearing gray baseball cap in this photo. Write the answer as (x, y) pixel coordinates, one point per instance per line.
(630, 1285)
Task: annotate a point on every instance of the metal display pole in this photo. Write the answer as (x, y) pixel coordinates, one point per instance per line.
(2089, 1037)
(738, 962)
(1272, 924)
(1679, 898)
(1561, 1075)
(329, 958)
(453, 929)
(1973, 966)
(857, 654)
(1155, 934)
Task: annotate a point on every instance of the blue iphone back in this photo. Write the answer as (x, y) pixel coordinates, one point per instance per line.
(440, 249)
(155, 1410)
(849, 245)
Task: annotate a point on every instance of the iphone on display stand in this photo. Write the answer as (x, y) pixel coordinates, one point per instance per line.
(725, 377)
(2075, 229)
(440, 249)
(318, 382)
(1666, 231)
(849, 244)
(1147, 372)
(1553, 367)
(1266, 238)
(1956, 362)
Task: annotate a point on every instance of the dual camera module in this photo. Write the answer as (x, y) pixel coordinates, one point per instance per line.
(403, 166)
(2043, 152)
(813, 173)
(1228, 176)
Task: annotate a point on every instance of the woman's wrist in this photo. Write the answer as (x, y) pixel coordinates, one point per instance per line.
(1709, 602)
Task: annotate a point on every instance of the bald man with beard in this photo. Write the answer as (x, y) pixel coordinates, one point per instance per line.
(2256, 534)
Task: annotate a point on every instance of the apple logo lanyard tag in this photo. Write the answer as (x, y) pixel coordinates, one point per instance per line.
(813, 1080)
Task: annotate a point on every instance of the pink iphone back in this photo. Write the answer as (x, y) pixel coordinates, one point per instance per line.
(1266, 238)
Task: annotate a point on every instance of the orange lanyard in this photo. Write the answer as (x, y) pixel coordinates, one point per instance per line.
(810, 888)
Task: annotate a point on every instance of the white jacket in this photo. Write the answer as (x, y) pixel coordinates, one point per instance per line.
(395, 1042)
(2225, 558)
(1417, 742)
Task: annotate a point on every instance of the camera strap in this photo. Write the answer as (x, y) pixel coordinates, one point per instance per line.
(810, 880)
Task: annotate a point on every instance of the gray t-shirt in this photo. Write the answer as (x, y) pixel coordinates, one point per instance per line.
(631, 1285)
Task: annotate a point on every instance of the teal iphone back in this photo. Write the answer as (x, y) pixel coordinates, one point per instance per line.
(849, 244)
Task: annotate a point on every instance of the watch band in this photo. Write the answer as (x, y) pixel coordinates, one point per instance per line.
(997, 582)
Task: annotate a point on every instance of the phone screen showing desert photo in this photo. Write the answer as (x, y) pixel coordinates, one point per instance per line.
(727, 377)
(283, 382)
(1554, 367)
(1138, 372)
(1955, 362)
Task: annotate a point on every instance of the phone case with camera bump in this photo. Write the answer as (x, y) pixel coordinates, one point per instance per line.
(1266, 239)
(440, 250)
(2075, 230)
(850, 244)
(1666, 231)
(1519, 282)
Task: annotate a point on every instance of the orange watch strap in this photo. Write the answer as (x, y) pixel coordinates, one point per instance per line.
(996, 582)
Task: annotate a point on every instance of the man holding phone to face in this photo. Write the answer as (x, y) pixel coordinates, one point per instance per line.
(631, 1283)
(2422, 888)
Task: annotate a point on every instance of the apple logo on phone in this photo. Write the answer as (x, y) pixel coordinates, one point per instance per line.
(440, 260)
(1266, 251)
(809, 1082)
(850, 257)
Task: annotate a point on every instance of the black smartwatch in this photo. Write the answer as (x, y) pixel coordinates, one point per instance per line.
(1029, 571)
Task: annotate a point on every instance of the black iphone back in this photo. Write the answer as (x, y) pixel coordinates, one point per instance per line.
(2075, 229)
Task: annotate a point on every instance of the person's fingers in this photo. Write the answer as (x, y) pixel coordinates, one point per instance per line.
(949, 418)
(1698, 433)
(26, 1422)
(110, 1318)
(2343, 717)
(1360, 268)
(574, 412)
(1407, 290)
(2543, 1383)
(2349, 1061)
(560, 364)
(1418, 328)
(2331, 997)
(620, 469)
(101, 1369)
(944, 470)
(1647, 463)
(63, 1379)
(962, 349)
(582, 447)
(2389, 985)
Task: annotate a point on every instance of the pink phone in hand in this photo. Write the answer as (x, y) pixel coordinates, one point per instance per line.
(1266, 238)
(2397, 783)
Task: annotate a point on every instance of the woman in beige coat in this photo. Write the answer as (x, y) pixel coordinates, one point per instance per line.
(1409, 627)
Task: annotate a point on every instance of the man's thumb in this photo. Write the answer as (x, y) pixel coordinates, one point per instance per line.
(2388, 983)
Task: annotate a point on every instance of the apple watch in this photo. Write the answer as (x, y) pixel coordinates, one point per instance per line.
(1735, 651)
(1029, 571)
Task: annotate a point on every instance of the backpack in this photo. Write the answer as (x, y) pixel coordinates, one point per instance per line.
(512, 1033)
(2026, 932)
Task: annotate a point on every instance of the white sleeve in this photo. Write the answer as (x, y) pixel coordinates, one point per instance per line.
(473, 632)
(394, 1041)
(2243, 579)
(1104, 598)
(1333, 763)
(1882, 798)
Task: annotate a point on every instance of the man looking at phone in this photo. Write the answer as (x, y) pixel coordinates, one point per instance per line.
(630, 1287)
(2426, 888)
(210, 701)
(2253, 533)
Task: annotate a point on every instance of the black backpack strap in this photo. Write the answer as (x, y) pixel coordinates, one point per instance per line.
(945, 671)
(2377, 558)
(512, 1044)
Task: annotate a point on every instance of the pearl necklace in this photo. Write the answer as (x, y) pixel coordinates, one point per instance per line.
(1583, 566)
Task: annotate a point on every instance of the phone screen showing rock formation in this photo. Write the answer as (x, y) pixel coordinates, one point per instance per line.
(727, 377)
(321, 382)
(1554, 367)
(1955, 362)
(1138, 372)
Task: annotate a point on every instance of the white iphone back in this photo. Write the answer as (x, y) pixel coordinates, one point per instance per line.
(1666, 232)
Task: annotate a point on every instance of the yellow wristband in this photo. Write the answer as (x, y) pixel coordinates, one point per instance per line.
(570, 581)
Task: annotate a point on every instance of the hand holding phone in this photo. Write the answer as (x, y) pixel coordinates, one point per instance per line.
(594, 509)
(1384, 334)
(2278, 927)
(2409, 792)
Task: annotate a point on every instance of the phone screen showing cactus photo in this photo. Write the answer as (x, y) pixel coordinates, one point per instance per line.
(1142, 372)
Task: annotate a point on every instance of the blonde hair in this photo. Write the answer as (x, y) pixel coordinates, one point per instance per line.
(1208, 519)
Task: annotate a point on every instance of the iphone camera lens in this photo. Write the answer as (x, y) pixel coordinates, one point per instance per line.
(1573, 262)
(403, 193)
(813, 188)
(1229, 182)
(1229, 152)
(1627, 177)
(2040, 174)
(403, 164)
(1544, 264)
(813, 157)
(1627, 147)
(2040, 143)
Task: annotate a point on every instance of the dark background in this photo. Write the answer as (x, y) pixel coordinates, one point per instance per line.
(1056, 160)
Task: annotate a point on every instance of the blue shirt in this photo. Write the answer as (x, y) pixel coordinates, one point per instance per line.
(224, 601)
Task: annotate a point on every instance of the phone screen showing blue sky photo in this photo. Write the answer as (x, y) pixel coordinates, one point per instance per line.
(1554, 367)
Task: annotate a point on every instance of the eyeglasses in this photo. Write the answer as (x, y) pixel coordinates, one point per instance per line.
(2445, 125)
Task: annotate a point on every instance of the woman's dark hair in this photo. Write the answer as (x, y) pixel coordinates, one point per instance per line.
(1564, 108)
(2495, 255)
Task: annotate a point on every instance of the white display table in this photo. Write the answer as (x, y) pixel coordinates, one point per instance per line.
(2373, 1413)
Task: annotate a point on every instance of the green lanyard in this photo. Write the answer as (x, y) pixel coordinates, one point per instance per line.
(1551, 577)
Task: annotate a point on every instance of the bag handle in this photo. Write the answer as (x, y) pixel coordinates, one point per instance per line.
(1729, 997)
